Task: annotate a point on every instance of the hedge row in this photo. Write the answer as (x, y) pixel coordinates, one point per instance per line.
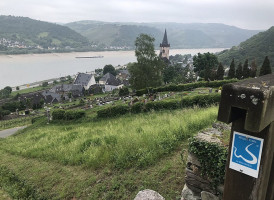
(188, 101)
(185, 87)
(68, 114)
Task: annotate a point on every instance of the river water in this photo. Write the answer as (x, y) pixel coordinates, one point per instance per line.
(16, 70)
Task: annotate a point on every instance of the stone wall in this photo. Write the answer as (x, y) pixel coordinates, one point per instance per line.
(198, 186)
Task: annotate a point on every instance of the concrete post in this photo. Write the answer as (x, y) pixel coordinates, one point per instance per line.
(249, 105)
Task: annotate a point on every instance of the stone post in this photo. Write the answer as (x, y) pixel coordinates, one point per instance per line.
(249, 105)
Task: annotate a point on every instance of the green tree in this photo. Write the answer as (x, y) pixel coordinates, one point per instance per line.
(220, 72)
(99, 71)
(123, 91)
(246, 71)
(239, 71)
(5, 93)
(17, 88)
(109, 69)
(171, 73)
(69, 95)
(45, 84)
(253, 70)
(231, 72)
(205, 64)
(147, 72)
(8, 88)
(265, 69)
(69, 78)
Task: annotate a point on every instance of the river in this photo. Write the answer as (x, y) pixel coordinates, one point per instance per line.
(16, 70)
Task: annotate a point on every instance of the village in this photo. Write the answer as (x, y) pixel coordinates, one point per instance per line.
(126, 118)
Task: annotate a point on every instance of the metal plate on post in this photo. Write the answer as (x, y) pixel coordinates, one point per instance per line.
(246, 153)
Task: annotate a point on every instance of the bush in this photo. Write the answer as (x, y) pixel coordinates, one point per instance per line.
(45, 84)
(185, 87)
(12, 106)
(67, 115)
(113, 111)
(137, 107)
(4, 113)
(199, 100)
(212, 158)
(58, 114)
(123, 92)
(74, 114)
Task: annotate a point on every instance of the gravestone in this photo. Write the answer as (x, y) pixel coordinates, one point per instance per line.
(249, 105)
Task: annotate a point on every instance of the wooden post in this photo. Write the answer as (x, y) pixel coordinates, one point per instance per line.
(249, 105)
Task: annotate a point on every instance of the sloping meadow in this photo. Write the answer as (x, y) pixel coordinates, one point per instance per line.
(133, 140)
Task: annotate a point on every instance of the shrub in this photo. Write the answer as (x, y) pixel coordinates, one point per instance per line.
(212, 158)
(4, 112)
(45, 84)
(58, 114)
(185, 87)
(188, 101)
(104, 113)
(141, 92)
(123, 92)
(73, 114)
(12, 106)
(137, 107)
(113, 111)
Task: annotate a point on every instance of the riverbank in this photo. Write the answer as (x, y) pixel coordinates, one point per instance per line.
(24, 69)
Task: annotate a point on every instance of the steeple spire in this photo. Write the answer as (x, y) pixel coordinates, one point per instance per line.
(165, 41)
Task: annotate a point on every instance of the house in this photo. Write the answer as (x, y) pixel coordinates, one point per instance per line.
(95, 89)
(51, 97)
(85, 80)
(36, 100)
(65, 89)
(123, 75)
(110, 82)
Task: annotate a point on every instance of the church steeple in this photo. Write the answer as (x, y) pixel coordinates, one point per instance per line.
(164, 51)
(165, 41)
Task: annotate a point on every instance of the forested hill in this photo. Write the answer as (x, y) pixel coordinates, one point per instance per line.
(193, 35)
(24, 34)
(257, 47)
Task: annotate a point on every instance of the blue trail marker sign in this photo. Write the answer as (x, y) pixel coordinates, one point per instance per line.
(246, 153)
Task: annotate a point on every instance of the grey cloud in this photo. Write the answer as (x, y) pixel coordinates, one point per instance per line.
(252, 14)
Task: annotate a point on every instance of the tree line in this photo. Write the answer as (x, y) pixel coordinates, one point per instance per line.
(152, 71)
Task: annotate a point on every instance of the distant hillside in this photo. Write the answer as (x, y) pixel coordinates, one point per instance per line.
(257, 47)
(195, 35)
(18, 34)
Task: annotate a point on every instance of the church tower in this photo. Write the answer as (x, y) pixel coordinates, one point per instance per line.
(164, 51)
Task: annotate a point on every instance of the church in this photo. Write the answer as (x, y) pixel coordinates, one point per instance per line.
(164, 48)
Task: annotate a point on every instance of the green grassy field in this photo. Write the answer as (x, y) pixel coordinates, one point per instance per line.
(104, 159)
(4, 195)
(29, 90)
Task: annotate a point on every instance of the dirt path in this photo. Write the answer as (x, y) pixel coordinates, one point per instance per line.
(11, 131)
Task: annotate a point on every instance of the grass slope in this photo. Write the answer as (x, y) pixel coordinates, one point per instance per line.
(104, 159)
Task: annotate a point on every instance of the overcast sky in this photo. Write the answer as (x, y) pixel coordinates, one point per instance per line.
(249, 14)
